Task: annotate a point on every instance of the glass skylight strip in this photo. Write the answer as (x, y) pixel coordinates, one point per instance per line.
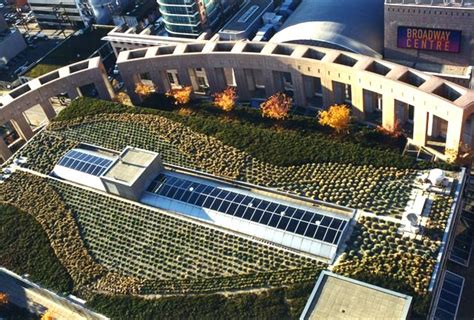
(262, 211)
(85, 162)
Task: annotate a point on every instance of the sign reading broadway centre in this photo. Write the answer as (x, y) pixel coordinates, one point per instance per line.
(429, 39)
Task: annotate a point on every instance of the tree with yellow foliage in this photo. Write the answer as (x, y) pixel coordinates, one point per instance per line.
(277, 106)
(48, 315)
(3, 299)
(336, 117)
(181, 96)
(122, 98)
(225, 100)
(143, 89)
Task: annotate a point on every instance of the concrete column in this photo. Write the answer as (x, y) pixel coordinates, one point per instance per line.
(5, 152)
(357, 97)
(328, 92)
(215, 85)
(158, 81)
(22, 127)
(184, 78)
(48, 109)
(242, 86)
(269, 78)
(455, 128)
(102, 91)
(420, 126)
(299, 94)
(73, 93)
(388, 112)
(130, 80)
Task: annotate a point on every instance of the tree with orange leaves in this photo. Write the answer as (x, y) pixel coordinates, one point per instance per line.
(336, 117)
(48, 315)
(276, 106)
(181, 96)
(3, 299)
(143, 89)
(225, 100)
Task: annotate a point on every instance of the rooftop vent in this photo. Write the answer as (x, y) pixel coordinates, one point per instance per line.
(79, 66)
(345, 60)
(196, 47)
(283, 50)
(19, 91)
(447, 92)
(254, 47)
(378, 68)
(49, 77)
(137, 54)
(223, 47)
(314, 54)
(412, 79)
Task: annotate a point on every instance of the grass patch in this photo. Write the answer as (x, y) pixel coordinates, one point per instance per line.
(74, 49)
(24, 248)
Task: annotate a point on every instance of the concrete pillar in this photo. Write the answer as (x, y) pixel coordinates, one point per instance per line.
(242, 86)
(22, 127)
(5, 152)
(73, 93)
(328, 92)
(357, 97)
(388, 112)
(455, 128)
(420, 126)
(158, 81)
(130, 81)
(184, 78)
(298, 82)
(269, 78)
(103, 91)
(48, 109)
(215, 85)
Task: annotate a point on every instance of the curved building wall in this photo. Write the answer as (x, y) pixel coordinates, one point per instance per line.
(344, 78)
(352, 25)
(105, 9)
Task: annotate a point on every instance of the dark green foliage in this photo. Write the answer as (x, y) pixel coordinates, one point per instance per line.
(296, 141)
(282, 303)
(24, 248)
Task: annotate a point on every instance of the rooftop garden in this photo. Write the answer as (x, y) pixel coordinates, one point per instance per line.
(121, 255)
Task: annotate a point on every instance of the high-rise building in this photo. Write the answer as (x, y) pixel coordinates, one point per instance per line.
(189, 18)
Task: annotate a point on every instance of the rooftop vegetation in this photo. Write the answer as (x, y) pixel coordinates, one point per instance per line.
(25, 249)
(109, 246)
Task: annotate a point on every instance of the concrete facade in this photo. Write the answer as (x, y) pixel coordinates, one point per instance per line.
(38, 91)
(435, 107)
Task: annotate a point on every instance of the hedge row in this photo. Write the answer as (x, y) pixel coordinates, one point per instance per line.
(296, 141)
(25, 248)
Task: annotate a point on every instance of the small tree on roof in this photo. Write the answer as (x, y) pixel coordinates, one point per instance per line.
(3, 299)
(225, 100)
(336, 117)
(277, 106)
(143, 89)
(181, 96)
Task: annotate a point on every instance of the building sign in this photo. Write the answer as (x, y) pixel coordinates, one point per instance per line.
(429, 39)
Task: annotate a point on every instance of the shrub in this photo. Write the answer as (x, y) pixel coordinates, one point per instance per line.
(225, 100)
(143, 89)
(276, 106)
(337, 117)
(181, 96)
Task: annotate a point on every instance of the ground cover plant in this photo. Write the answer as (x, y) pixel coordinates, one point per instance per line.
(25, 249)
(125, 249)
